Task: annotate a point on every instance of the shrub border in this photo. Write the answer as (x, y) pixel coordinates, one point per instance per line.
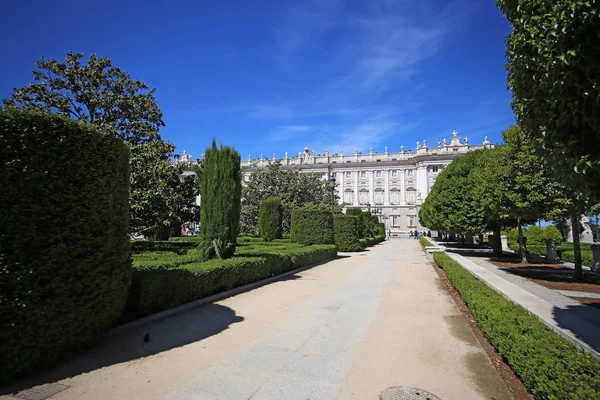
(212, 298)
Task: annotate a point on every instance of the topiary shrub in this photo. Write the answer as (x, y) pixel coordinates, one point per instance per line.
(357, 212)
(535, 236)
(271, 214)
(64, 251)
(552, 232)
(221, 192)
(346, 232)
(312, 225)
(513, 235)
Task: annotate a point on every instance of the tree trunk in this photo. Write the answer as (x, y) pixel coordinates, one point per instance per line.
(522, 247)
(576, 246)
(497, 245)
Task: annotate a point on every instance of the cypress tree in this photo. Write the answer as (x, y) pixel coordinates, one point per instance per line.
(220, 202)
(271, 217)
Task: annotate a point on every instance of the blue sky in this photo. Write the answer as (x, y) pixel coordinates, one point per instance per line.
(269, 77)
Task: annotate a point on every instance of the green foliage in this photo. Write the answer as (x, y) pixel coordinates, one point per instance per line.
(357, 211)
(64, 252)
(346, 232)
(535, 236)
(513, 234)
(552, 232)
(103, 95)
(312, 225)
(587, 257)
(549, 365)
(165, 280)
(180, 246)
(553, 72)
(221, 189)
(294, 188)
(271, 213)
(424, 241)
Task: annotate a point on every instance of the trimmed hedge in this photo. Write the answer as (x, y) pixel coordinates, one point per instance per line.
(535, 236)
(367, 242)
(549, 365)
(424, 241)
(587, 257)
(160, 286)
(312, 225)
(64, 249)
(346, 232)
(270, 219)
(177, 246)
(357, 212)
(552, 232)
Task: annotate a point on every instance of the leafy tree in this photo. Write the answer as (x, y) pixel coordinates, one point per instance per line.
(221, 190)
(553, 73)
(294, 188)
(270, 219)
(97, 93)
(101, 94)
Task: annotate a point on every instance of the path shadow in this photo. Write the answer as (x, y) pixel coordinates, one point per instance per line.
(125, 344)
(583, 321)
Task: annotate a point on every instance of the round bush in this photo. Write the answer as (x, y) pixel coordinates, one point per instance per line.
(552, 232)
(513, 234)
(312, 225)
(64, 254)
(535, 236)
(271, 217)
(346, 232)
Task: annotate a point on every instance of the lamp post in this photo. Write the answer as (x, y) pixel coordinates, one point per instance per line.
(332, 187)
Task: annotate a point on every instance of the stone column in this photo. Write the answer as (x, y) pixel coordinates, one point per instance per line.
(340, 182)
(355, 173)
(372, 188)
(551, 250)
(596, 252)
(402, 188)
(504, 240)
(386, 187)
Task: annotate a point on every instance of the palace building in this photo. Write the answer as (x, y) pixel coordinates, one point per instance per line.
(390, 185)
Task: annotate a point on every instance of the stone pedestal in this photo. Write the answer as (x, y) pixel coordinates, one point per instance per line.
(504, 240)
(469, 239)
(596, 252)
(551, 250)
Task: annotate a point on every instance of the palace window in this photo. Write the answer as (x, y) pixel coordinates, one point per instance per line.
(378, 174)
(411, 221)
(334, 175)
(395, 196)
(379, 196)
(410, 172)
(434, 168)
(395, 220)
(394, 172)
(348, 174)
(410, 196)
(363, 174)
(349, 197)
(363, 197)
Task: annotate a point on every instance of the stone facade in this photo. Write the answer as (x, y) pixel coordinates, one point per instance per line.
(392, 185)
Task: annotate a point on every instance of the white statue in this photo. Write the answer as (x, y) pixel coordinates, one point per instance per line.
(274, 156)
(370, 150)
(486, 141)
(424, 143)
(402, 149)
(356, 151)
(326, 152)
(286, 154)
(342, 152)
(418, 145)
(386, 150)
(454, 133)
(262, 157)
(249, 157)
(466, 140)
(439, 144)
(445, 142)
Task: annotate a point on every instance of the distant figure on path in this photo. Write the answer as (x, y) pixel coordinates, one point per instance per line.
(428, 233)
(410, 233)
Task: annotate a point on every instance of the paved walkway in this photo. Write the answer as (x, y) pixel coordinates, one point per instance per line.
(346, 329)
(576, 322)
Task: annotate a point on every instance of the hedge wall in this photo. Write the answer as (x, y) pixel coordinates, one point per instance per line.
(142, 246)
(312, 225)
(270, 219)
(346, 232)
(549, 365)
(64, 250)
(357, 212)
(163, 284)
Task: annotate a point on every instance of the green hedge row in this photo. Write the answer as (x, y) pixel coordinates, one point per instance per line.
(425, 241)
(346, 233)
(161, 285)
(549, 365)
(366, 242)
(312, 225)
(177, 246)
(270, 219)
(564, 251)
(64, 251)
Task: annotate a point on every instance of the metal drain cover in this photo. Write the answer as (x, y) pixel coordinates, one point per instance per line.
(406, 393)
(41, 392)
